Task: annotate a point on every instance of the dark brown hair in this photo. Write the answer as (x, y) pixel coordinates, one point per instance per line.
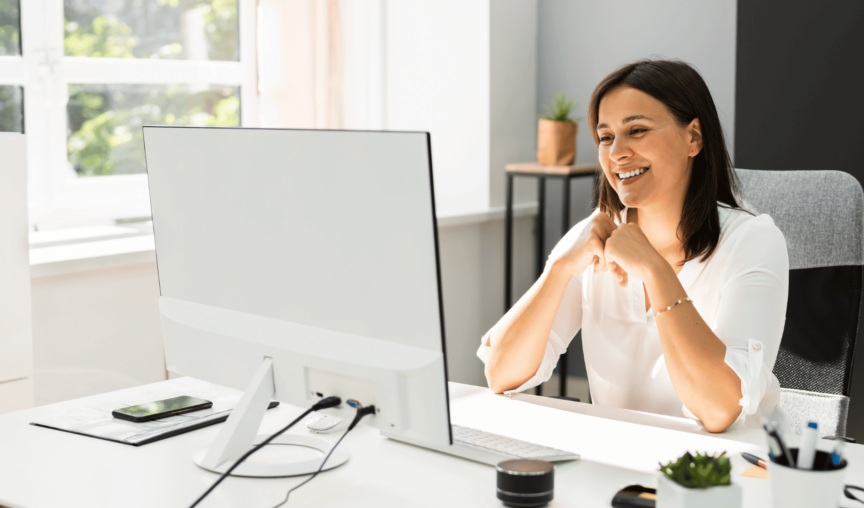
(684, 93)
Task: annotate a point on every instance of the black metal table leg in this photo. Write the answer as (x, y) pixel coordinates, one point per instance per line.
(539, 249)
(565, 227)
(565, 208)
(508, 245)
(539, 239)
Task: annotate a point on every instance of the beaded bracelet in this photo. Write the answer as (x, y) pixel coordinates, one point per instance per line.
(674, 304)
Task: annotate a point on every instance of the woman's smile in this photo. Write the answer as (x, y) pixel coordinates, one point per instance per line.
(634, 128)
(629, 176)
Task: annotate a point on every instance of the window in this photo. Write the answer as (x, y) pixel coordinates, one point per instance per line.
(10, 28)
(104, 135)
(11, 109)
(92, 72)
(11, 96)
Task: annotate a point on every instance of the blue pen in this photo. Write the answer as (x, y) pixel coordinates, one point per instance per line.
(835, 457)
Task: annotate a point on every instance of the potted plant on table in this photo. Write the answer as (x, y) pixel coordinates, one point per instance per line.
(556, 134)
(702, 481)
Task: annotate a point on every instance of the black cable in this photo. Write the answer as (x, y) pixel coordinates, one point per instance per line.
(322, 404)
(360, 414)
(847, 491)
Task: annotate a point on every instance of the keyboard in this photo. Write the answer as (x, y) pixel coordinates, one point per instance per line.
(506, 446)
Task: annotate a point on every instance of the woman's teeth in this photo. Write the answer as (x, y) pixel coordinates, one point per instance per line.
(631, 174)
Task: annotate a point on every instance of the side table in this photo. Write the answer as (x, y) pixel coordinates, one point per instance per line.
(541, 173)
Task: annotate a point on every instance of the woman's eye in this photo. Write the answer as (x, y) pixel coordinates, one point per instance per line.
(638, 131)
(605, 138)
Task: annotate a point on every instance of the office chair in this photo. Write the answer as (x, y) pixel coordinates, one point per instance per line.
(821, 214)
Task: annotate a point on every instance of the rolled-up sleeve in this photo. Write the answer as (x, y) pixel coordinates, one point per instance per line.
(567, 322)
(752, 309)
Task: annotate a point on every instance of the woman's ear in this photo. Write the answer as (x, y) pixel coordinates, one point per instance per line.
(695, 131)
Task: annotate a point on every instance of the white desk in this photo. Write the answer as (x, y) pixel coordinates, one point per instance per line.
(46, 468)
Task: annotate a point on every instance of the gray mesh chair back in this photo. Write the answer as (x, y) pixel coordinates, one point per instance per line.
(802, 406)
(821, 214)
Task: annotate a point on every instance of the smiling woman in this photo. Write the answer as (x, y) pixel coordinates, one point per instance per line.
(681, 99)
(679, 293)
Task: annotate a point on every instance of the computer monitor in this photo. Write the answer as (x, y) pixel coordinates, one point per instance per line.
(298, 264)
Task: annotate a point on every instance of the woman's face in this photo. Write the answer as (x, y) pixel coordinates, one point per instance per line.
(644, 153)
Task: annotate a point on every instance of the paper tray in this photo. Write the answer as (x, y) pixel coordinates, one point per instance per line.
(96, 421)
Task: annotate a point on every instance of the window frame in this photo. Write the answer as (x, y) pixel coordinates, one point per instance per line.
(58, 198)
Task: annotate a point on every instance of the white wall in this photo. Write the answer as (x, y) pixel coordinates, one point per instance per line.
(437, 80)
(99, 330)
(96, 331)
(580, 42)
(513, 95)
(16, 341)
(472, 269)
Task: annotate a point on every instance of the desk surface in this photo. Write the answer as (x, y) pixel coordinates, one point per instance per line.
(41, 467)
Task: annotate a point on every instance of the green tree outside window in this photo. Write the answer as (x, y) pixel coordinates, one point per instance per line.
(104, 121)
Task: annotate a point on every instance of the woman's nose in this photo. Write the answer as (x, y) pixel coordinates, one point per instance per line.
(619, 150)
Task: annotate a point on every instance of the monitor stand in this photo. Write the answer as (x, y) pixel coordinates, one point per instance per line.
(287, 455)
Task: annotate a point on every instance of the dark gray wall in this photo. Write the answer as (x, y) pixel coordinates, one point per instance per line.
(800, 101)
(799, 90)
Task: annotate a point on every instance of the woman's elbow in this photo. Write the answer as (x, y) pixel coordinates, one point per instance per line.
(497, 381)
(493, 380)
(721, 419)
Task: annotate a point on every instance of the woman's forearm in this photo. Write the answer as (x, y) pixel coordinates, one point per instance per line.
(518, 340)
(695, 356)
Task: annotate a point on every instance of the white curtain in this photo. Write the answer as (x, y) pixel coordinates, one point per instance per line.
(301, 63)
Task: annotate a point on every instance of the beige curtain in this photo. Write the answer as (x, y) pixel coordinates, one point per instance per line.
(301, 64)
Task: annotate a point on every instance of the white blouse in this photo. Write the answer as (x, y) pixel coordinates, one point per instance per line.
(740, 292)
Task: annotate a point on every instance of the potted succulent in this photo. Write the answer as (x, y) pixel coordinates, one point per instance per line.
(702, 481)
(556, 134)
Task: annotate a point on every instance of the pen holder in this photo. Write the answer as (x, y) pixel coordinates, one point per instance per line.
(793, 488)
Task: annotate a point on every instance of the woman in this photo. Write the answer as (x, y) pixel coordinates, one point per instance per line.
(679, 293)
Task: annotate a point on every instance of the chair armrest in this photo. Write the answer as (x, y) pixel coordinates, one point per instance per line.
(840, 438)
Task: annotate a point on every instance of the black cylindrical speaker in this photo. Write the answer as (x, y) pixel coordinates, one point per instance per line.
(525, 482)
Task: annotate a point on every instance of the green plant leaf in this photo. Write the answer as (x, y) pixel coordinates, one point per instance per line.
(699, 472)
(560, 112)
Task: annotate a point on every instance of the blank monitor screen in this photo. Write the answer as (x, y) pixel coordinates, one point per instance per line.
(331, 229)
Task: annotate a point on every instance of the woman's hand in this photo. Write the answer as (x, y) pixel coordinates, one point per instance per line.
(576, 251)
(518, 341)
(628, 251)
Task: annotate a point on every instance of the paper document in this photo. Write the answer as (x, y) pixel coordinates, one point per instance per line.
(95, 420)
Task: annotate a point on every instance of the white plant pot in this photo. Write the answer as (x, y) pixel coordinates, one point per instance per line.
(672, 495)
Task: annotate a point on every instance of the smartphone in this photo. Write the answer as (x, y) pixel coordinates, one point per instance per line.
(635, 496)
(161, 409)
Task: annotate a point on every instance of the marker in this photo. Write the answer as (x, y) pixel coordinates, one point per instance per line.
(807, 450)
(835, 457)
(756, 461)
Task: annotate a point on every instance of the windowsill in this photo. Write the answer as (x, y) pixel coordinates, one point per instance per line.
(88, 256)
(121, 246)
(487, 215)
